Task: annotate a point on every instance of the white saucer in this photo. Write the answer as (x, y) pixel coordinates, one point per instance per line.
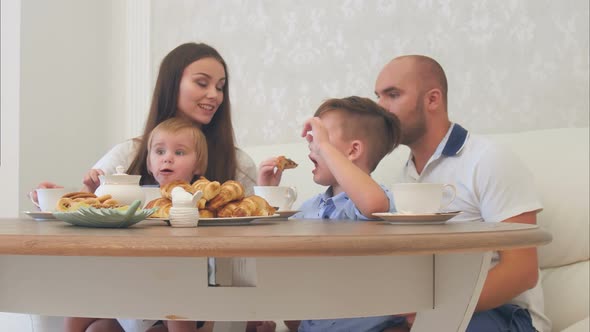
(416, 219)
(39, 215)
(286, 213)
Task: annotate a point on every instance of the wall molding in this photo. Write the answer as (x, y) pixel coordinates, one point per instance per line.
(137, 64)
(10, 108)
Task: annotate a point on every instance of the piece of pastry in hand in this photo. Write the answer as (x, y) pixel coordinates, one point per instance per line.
(230, 191)
(284, 163)
(166, 190)
(210, 189)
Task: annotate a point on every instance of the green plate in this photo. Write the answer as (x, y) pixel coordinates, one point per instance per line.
(106, 218)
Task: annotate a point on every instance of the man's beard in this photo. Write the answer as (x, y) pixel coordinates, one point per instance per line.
(412, 132)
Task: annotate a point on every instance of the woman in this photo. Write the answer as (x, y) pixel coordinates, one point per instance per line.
(192, 83)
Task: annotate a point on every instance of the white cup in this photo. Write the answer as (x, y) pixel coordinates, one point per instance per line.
(48, 198)
(422, 198)
(277, 196)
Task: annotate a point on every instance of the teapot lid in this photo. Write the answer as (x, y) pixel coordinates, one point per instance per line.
(120, 177)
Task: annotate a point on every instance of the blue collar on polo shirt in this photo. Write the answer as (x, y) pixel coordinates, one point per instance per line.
(455, 141)
(450, 146)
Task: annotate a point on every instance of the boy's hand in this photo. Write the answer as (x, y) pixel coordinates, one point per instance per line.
(268, 173)
(318, 134)
(91, 180)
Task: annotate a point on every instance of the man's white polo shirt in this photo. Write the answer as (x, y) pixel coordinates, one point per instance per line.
(492, 185)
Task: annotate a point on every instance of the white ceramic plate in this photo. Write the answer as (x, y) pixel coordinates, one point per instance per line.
(39, 215)
(416, 219)
(235, 221)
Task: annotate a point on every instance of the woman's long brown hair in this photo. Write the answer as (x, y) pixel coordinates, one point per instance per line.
(219, 132)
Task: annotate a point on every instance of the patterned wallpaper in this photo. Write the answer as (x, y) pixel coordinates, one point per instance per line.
(512, 65)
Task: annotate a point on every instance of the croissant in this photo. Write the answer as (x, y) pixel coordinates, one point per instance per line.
(163, 205)
(210, 189)
(166, 190)
(79, 194)
(230, 191)
(201, 203)
(206, 213)
(263, 208)
(253, 206)
(64, 204)
(228, 210)
(245, 208)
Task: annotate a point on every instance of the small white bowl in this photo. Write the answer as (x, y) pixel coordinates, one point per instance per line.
(184, 217)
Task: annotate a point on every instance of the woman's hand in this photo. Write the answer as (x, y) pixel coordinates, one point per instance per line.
(268, 173)
(42, 185)
(91, 180)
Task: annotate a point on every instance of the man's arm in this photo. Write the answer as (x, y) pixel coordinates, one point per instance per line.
(516, 271)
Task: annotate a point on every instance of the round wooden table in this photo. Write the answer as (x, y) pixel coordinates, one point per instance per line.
(267, 270)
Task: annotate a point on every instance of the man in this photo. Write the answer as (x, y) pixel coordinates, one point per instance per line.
(492, 186)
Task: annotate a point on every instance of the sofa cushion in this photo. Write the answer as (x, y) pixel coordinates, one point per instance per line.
(558, 159)
(566, 293)
(581, 326)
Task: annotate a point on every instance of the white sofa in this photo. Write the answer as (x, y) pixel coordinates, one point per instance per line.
(558, 159)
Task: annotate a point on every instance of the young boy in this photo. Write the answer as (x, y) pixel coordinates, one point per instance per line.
(177, 150)
(347, 139)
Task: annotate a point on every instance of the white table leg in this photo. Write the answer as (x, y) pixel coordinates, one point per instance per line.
(458, 280)
(237, 272)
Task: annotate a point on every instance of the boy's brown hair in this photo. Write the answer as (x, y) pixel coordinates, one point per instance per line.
(176, 125)
(365, 120)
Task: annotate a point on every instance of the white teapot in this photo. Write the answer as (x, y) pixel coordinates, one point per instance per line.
(123, 187)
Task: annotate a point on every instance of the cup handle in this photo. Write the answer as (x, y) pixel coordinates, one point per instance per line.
(454, 190)
(292, 195)
(30, 194)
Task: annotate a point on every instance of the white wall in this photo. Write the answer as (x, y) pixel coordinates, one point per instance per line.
(511, 65)
(68, 80)
(9, 110)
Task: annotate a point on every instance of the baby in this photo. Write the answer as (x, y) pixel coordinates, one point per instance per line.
(177, 151)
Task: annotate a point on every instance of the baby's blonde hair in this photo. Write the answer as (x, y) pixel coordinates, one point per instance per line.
(176, 125)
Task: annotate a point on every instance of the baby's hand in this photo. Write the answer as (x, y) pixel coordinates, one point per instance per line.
(268, 173)
(91, 180)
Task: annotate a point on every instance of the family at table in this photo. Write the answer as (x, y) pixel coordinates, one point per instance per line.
(189, 134)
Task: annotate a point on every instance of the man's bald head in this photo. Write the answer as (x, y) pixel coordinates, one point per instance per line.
(429, 73)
